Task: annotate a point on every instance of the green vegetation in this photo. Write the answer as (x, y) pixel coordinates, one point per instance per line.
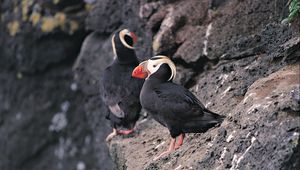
(294, 9)
(13, 27)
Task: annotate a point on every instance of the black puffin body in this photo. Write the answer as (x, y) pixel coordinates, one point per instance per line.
(175, 107)
(120, 92)
(170, 104)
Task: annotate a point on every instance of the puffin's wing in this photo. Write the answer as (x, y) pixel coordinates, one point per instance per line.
(117, 111)
(178, 102)
(111, 92)
(116, 90)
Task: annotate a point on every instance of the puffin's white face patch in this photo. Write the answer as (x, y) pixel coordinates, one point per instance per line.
(122, 35)
(113, 46)
(154, 63)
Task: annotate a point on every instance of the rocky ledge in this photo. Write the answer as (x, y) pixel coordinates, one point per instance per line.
(261, 130)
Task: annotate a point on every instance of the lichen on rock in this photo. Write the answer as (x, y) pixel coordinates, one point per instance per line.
(13, 27)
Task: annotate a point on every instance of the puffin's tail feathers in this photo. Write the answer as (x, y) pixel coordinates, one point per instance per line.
(208, 120)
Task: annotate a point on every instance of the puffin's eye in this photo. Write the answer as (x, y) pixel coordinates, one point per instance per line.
(154, 65)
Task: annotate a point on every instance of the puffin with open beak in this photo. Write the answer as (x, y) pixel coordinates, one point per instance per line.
(119, 91)
(170, 104)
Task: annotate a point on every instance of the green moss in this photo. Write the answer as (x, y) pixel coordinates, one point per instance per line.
(35, 17)
(294, 10)
(55, 1)
(19, 75)
(155, 44)
(28, 12)
(13, 27)
(295, 142)
(88, 7)
(48, 24)
(16, 10)
(25, 8)
(73, 26)
(60, 19)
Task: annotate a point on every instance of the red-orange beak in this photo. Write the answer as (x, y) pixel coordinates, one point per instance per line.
(139, 72)
(134, 37)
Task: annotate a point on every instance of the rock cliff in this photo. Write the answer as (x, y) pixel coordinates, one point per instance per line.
(240, 61)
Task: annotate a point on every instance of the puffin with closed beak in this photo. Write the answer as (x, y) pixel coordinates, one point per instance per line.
(119, 91)
(170, 104)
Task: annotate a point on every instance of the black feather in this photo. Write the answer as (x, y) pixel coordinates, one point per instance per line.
(119, 88)
(175, 107)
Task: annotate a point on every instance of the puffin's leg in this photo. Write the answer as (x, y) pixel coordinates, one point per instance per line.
(180, 141)
(125, 132)
(111, 135)
(171, 148)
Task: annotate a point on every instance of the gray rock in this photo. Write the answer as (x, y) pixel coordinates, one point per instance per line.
(249, 17)
(271, 122)
(193, 47)
(40, 35)
(259, 132)
(149, 8)
(183, 75)
(106, 16)
(174, 18)
(29, 105)
(95, 55)
(38, 129)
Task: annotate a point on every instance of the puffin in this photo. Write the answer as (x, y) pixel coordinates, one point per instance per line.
(119, 90)
(172, 105)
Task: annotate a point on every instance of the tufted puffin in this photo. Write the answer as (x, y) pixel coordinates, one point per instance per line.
(119, 91)
(170, 104)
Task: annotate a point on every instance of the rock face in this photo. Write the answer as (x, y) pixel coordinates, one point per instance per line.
(42, 122)
(241, 62)
(88, 67)
(261, 130)
(235, 56)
